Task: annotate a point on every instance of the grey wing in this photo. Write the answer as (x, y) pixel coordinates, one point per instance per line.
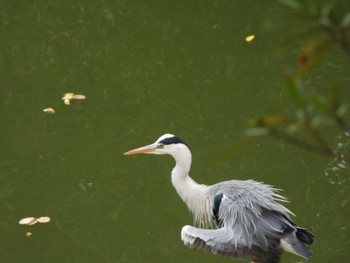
(217, 241)
(269, 231)
(212, 240)
(252, 225)
(252, 217)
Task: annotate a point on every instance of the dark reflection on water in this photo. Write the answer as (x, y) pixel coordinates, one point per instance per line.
(147, 68)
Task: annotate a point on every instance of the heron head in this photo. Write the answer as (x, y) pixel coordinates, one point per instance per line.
(166, 144)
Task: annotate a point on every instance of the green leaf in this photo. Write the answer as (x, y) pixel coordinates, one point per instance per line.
(295, 93)
(327, 9)
(309, 7)
(334, 101)
(269, 120)
(311, 54)
(345, 21)
(291, 3)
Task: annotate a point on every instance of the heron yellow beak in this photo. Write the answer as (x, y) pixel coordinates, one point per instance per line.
(145, 149)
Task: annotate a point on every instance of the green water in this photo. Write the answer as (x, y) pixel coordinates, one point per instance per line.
(147, 68)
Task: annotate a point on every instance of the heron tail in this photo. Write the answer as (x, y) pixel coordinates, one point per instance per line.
(297, 243)
(305, 236)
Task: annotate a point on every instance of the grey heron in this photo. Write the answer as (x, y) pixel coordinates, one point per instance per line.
(250, 222)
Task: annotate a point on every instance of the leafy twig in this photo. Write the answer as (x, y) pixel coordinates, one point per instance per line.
(306, 145)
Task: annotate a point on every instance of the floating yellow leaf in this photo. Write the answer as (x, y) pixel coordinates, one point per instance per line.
(249, 38)
(27, 221)
(68, 96)
(43, 219)
(29, 234)
(49, 110)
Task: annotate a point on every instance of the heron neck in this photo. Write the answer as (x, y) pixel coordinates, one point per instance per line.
(180, 178)
(192, 193)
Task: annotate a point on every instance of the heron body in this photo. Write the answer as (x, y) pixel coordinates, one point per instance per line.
(250, 222)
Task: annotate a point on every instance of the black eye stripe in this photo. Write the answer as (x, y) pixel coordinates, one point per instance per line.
(171, 140)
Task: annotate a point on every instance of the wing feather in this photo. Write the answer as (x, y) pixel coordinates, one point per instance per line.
(218, 241)
(249, 212)
(251, 222)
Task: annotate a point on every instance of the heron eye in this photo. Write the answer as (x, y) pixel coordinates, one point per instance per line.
(160, 146)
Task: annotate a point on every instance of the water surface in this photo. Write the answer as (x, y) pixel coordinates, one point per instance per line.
(147, 68)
